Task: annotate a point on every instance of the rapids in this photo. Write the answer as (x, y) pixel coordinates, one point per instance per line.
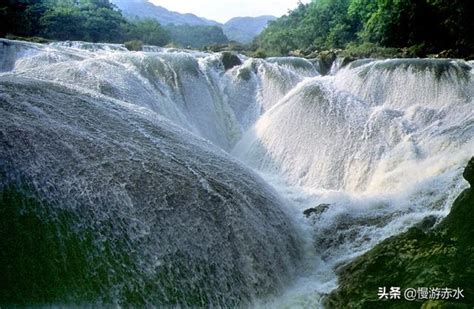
(190, 181)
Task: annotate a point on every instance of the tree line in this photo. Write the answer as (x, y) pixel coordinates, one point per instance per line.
(96, 21)
(424, 26)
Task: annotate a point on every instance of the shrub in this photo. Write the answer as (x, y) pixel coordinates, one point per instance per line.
(134, 45)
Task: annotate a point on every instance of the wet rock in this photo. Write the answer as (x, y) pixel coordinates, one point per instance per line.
(427, 223)
(346, 61)
(326, 60)
(316, 211)
(469, 172)
(437, 258)
(230, 60)
(447, 53)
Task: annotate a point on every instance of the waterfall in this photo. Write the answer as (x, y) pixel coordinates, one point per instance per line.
(181, 182)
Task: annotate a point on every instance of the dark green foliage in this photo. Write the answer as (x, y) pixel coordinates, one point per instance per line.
(259, 53)
(422, 26)
(320, 24)
(196, 36)
(96, 21)
(369, 50)
(64, 23)
(440, 257)
(149, 31)
(85, 20)
(21, 17)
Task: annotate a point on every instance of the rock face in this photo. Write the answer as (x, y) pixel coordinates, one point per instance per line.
(469, 173)
(316, 211)
(441, 257)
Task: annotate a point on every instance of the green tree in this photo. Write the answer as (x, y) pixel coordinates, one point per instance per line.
(64, 23)
(20, 17)
(196, 36)
(149, 31)
(104, 25)
(319, 24)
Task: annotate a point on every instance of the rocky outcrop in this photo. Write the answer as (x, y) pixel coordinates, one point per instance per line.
(438, 258)
(230, 60)
(316, 211)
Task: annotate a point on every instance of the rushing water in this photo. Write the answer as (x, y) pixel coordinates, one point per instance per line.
(197, 178)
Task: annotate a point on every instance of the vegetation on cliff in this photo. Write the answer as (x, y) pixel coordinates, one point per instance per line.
(96, 21)
(438, 258)
(196, 36)
(85, 20)
(420, 26)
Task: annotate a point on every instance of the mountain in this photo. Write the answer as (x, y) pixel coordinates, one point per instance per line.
(144, 8)
(239, 29)
(245, 29)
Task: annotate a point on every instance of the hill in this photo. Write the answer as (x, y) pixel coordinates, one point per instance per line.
(146, 9)
(245, 29)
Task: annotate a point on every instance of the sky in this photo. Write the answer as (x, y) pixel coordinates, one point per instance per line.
(223, 10)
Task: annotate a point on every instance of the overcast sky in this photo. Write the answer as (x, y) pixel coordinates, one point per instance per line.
(223, 10)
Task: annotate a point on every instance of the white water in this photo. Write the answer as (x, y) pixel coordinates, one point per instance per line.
(383, 142)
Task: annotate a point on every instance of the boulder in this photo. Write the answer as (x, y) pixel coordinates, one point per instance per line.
(316, 211)
(230, 60)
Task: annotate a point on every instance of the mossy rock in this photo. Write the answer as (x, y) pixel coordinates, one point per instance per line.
(50, 256)
(440, 257)
(134, 45)
(230, 60)
(326, 59)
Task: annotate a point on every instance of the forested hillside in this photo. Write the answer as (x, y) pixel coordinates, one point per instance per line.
(96, 21)
(424, 26)
(86, 20)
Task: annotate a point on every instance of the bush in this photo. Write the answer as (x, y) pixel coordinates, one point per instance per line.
(369, 50)
(134, 45)
(415, 51)
(259, 53)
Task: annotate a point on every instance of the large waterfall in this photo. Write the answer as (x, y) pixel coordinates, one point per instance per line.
(161, 178)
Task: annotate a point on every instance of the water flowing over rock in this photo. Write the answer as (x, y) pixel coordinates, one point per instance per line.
(351, 132)
(416, 259)
(381, 142)
(129, 208)
(123, 163)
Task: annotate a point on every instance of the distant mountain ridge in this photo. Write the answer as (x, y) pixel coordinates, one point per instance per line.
(146, 9)
(239, 29)
(245, 29)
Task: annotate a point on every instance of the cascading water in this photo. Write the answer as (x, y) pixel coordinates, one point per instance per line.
(114, 156)
(377, 146)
